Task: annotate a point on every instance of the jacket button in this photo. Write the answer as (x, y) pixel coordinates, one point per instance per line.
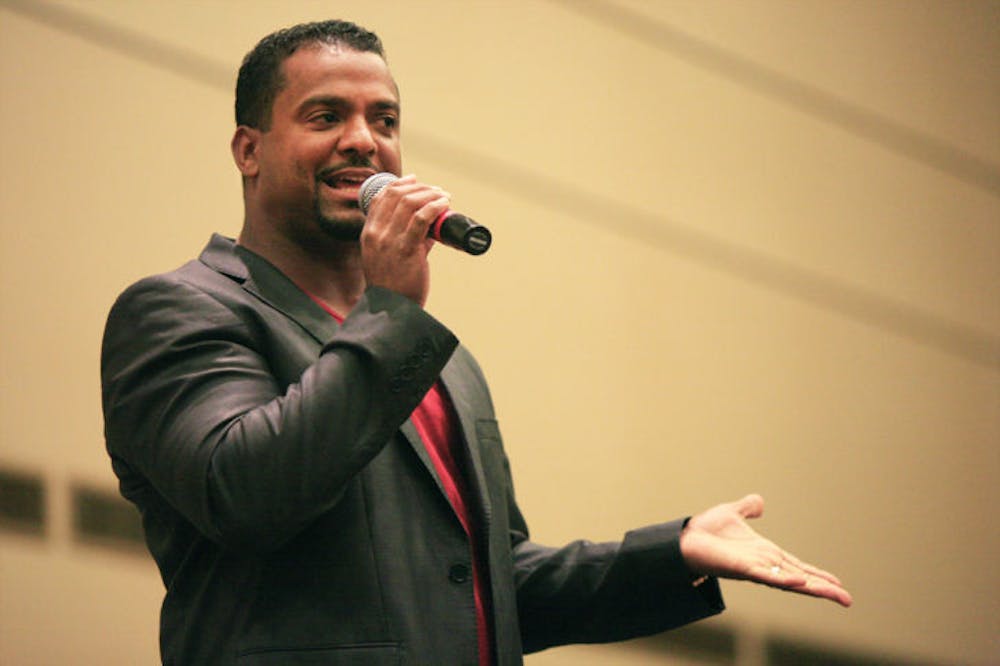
(458, 573)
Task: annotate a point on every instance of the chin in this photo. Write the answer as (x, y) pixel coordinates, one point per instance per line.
(341, 229)
(342, 223)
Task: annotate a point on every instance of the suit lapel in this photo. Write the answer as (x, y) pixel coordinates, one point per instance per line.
(456, 386)
(260, 278)
(413, 438)
(271, 286)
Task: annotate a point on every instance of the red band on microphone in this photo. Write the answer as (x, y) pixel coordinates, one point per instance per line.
(436, 226)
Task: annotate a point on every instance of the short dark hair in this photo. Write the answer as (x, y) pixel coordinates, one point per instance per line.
(260, 78)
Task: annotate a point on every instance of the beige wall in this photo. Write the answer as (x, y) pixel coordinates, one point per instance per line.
(739, 246)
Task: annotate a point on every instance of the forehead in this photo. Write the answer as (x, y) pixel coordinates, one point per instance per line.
(331, 69)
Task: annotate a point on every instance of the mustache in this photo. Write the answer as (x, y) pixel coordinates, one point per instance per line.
(358, 162)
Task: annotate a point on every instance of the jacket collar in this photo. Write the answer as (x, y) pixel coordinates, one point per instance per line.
(263, 280)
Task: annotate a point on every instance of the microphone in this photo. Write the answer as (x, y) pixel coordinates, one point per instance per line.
(450, 228)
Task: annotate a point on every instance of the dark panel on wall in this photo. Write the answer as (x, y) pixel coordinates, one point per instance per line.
(105, 517)
(22, 502)
(789, 652)
(704, 642)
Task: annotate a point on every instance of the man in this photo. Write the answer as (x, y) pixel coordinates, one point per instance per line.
(317, 462)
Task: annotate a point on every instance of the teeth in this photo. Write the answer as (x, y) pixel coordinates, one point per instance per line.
(342, 182)
(346, 180)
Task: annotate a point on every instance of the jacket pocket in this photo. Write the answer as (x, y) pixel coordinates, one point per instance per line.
(362, 654)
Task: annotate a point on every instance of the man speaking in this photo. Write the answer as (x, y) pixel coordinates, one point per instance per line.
(316, 459)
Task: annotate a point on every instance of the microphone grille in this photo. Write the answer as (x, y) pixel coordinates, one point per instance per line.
(372, 186)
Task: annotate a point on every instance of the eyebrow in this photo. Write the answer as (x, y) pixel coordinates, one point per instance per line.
(334, 101)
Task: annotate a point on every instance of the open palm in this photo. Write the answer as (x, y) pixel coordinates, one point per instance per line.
(720, 542)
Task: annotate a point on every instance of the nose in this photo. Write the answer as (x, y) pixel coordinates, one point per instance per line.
(357, 137)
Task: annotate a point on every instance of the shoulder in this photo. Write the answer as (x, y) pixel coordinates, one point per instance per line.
(216, 277)
(172, 298)
(161, 311)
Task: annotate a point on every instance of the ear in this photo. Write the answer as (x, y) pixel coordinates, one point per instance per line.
(244, 145)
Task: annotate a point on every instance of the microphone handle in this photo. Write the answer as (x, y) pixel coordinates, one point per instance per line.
(460, 232)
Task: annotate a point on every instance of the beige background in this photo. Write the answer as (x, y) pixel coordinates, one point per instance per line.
(739, 246)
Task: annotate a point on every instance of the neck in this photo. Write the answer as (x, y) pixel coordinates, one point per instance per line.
(330, 270)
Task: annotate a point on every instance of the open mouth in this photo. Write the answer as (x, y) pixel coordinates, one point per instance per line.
(346, 179)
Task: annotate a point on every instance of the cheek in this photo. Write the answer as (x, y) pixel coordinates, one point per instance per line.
(303, 172)
(389, 157)
(287, 176)
(302, 163)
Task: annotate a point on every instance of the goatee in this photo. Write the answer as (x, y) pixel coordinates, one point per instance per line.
(344, 228)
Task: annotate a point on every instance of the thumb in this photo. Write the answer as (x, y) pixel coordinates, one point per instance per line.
(751, 506)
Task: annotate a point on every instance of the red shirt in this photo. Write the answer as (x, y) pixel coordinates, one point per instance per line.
(434, 419)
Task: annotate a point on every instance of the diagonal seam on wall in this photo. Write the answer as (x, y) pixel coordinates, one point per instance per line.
(811, 100)
(899, 318)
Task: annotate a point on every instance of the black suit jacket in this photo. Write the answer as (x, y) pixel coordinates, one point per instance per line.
(292, 509)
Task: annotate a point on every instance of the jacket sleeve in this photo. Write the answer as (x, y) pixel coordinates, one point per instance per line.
(192, 407)
(590, 592)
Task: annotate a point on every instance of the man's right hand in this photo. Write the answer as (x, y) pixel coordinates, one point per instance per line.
(394, 243)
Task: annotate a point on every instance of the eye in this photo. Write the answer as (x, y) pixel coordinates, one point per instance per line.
(325, 118)
(389, 122)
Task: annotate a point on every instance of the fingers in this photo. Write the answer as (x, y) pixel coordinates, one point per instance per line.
(406, 208)
(394, 243)
(781, 577)
(812, 570)
(721, 543)
(823, 589)
(796, 576)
